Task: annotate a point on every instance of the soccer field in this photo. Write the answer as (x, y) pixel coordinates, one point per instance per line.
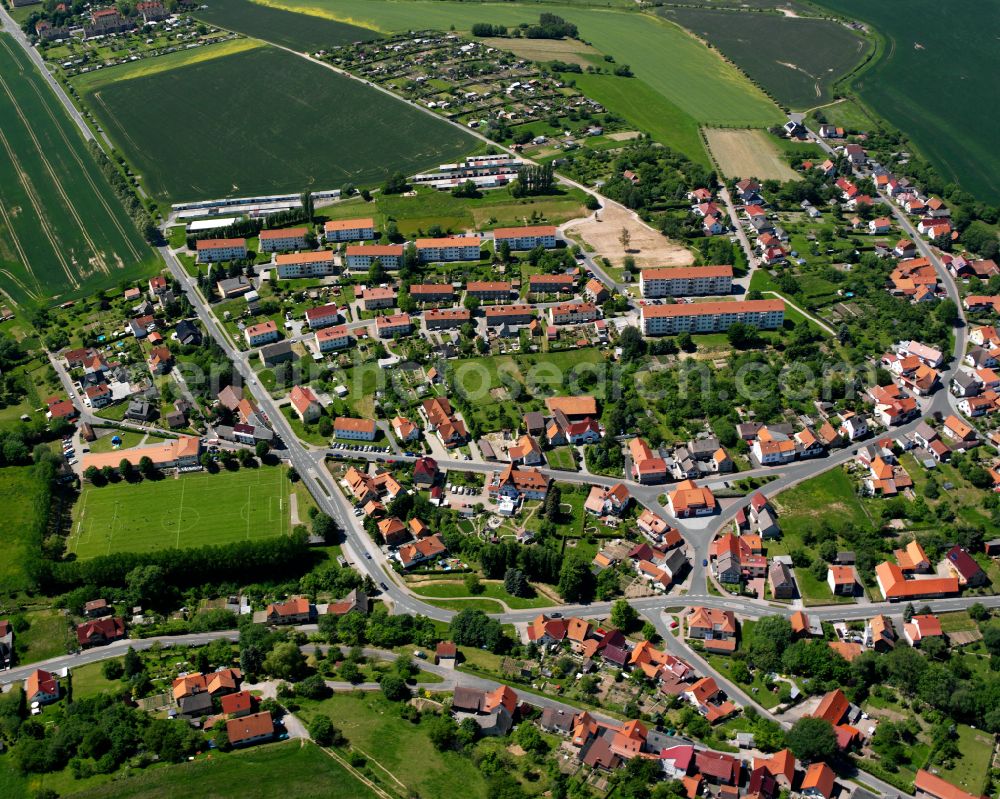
(195, 510)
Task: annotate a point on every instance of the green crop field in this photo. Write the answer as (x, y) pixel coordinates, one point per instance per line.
(953, 125)
(198, 509)
(261, 121)
(63, 232)
(671, 61)
(796, 59)
(300, 32)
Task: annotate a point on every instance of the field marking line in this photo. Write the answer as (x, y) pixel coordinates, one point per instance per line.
(85, 172)
(248, 512)
(180, 512)
(57, 184)
(111, 531)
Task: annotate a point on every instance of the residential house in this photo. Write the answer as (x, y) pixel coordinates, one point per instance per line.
(345, 427)
(842, 580)
(716, 628)
(250, 729)
(99, 632)
(41, 687)
(441, 419)
(297, 610)
(688, 500)
(305, 404)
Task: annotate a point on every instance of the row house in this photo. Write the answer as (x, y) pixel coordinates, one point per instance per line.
(711, 317)
(685, 281)
(361, 257)
(318, 263)
(282, 240)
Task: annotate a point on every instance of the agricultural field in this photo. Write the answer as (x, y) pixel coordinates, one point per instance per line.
(291, 769)
(198, 509)
(954, 127)
(214, 133)
(660, 53)
(796, 59)
(647, 110)
(63, 232)
(570, 51)
(302, 33)
(747, 153)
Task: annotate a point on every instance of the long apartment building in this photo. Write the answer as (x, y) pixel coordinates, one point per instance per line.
(293, 238)
(332, 338)
(685, 280)
(360, 257)
(452, 248)
(318, 263)
(211, 250)
(526, 238)
(263, 333)
(497, 315)
(711, 317)
(572, 313)
(551, 284)
(349, 229)
(432, 292)
(489, 289)
(444, 318)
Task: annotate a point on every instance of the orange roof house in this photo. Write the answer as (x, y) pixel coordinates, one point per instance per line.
(818, 781)
(832, 707)
(930, 786)
(688, 499)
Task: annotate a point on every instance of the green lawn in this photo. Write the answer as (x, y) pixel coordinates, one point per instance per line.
(185, 146)
(429, 207)
(830, 493)
(63, 232)
(563, 458)
(445, 589)
(196, 509)
(26, 500)
(263, 772)
(485, 605)
(47, 636)
(969, 772)
(129, 439)
(89, 681)
(373, 726)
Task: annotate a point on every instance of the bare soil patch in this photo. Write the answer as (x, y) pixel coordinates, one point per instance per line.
(647, 246)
